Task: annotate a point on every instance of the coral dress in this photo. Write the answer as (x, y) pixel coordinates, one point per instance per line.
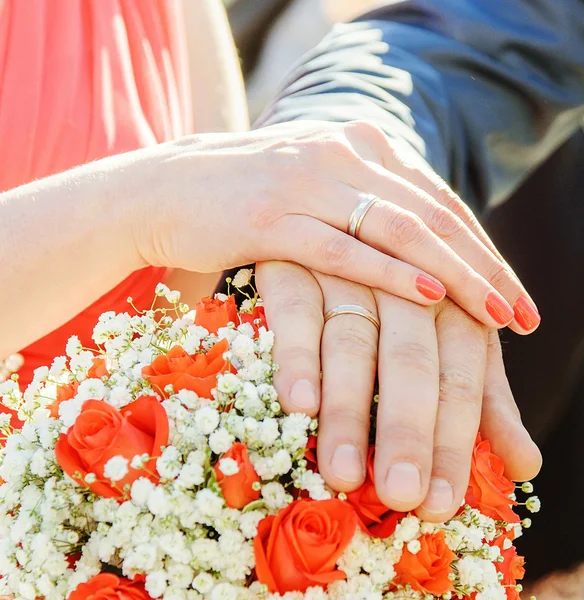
(81, 80)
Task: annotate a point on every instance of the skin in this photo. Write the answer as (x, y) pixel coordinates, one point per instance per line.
(435, 222)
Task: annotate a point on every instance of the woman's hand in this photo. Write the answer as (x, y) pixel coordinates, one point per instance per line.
(287, 192)
(440, 375)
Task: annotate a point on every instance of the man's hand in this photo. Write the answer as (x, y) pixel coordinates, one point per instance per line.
(440, 373)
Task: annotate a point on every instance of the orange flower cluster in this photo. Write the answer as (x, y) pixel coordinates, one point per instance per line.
(293, 552)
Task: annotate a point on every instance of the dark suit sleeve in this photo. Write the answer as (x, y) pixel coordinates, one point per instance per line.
(485, 90)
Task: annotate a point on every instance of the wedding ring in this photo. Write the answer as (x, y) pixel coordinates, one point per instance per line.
(352, 309)
(357, 216)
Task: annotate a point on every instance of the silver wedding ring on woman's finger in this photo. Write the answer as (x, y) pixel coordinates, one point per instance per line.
(352, 309)
(359, 212)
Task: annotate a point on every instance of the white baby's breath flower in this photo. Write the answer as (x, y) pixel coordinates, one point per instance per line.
(156, 583)
(228, 466)
(242, 278)
(533, 504)
(91, 389)
(140, 491)
(207, 420)
(161, 289)
(282, 462)
(173, 296)
(220, 441)
(73, 346)
(169, 465)
(116, 468)
(274, 495)
(203, 583)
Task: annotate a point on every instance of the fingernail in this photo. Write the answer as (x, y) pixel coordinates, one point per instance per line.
(430, 288)
(526, 313)
(403, 482)
(498, 308)
(347, 463)
(303, 394)
(440, 496)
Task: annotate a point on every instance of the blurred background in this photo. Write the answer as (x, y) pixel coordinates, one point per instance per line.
(271, 35)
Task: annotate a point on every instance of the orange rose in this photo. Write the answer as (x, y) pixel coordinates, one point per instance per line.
(375, 517)
(512, 567)
(428, 570)
(238, 489)
(213, 313)
(107, 586)
(310, 453)
(68, 391)
(488, 488)
(258, 313)
(300, 546)
(102, 432)
(195, 372)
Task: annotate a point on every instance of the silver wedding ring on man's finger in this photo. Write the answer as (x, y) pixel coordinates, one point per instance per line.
(352, 309)
(359, 212)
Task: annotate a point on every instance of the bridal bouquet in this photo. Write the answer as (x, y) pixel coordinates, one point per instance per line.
(161, 466)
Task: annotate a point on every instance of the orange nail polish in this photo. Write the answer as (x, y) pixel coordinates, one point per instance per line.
(430, 288)
(526, 314)
(498, 308)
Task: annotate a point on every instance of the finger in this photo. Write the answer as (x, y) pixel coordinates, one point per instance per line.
(371, 143)
(349, 363)
(400, 233)
(408, 388)
(325, 249)
(447, 215)
(462, 347)
(293, 305)
(501, 422)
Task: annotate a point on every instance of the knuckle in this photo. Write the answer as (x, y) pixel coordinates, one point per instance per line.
(417, 356)
(459, 384)
(410, 438)
(367, 130)
(404, 230)
(297, 306)
(494, 342)
(447, 198)
(336, 250)
(388, 272)
(266, 215)
(332, 150)
(445, 224)
(451, 460)
(357, 342)
(498, 275)
(349, 416)
(298, 356)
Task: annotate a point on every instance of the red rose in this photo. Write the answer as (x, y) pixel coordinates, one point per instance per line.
(299, 547)
(375, 517)
(238, 489)
(258, 313)
(310, 454)
(427, 571)
(512, 566)
(212, 313)
(488, 488)
(195, 372)
(107, 586)
(102, 432)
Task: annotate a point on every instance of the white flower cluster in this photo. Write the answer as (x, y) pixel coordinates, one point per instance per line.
(174, 527)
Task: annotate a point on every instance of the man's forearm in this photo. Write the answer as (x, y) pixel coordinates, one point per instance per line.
(484, 91)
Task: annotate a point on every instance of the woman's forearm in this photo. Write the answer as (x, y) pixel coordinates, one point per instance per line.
(64, 241)
(218, 93)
